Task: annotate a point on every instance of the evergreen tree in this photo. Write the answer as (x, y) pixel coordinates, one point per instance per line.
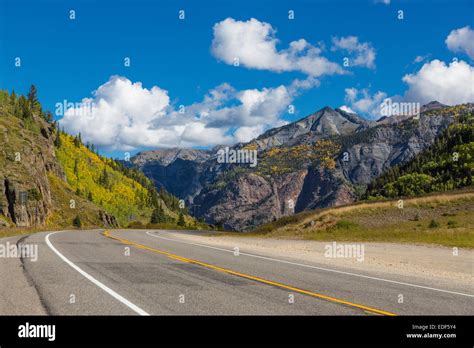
(33, 98)
(158, 215)
(76, 168)
(77, 140)
(76, 222)
(104, 178)
(13, 98)
(57, 141)
(181, 221)
(24, 110)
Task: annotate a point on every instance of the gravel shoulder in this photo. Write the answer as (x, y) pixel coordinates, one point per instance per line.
(430, 262)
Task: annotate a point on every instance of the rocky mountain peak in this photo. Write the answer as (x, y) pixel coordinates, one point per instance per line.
(167, 156)
(324, 123)
(433, 105)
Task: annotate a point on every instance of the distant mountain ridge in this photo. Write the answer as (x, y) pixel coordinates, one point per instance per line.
(168, 156)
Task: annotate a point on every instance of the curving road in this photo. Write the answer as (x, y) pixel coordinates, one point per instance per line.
(126, 272)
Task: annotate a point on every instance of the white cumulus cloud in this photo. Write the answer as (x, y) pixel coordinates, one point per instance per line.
(363, 52)
(447, 83)
(123, 115)
(461, 40)
(254, 45)
(450, 84)
(361, 101)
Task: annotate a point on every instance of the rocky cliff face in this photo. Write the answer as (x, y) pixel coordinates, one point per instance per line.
(26, 156)
(240, 198)
(177, 170)
(27, 159)
(250, 199)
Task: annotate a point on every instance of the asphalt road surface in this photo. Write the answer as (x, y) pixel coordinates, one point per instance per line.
(127, 272)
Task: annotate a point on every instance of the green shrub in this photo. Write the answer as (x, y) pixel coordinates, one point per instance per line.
(136, 224)
(76, 222)
(452, 224)
(34, 194)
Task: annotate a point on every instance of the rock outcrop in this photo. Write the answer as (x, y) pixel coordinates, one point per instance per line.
(25, 193)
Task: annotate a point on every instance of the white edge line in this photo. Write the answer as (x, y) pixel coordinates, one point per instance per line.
(315, 267)
(122, 299)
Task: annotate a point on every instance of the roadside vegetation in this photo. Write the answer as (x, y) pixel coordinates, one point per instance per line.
(442, 219)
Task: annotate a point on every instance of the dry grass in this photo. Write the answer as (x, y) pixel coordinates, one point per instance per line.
(442, 219)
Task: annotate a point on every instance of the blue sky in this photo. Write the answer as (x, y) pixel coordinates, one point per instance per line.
(69, 59)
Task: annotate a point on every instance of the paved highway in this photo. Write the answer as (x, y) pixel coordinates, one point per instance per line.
(127, 272)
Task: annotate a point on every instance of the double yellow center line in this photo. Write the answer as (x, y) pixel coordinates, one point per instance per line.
(246, 276)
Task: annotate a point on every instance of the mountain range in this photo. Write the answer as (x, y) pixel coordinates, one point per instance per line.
(325, 159)
(329, 158)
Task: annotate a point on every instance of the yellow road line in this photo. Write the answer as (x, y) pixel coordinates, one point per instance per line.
(257, 279)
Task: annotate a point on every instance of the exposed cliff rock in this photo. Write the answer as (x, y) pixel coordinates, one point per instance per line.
(28, 170)
(251, 200)
(27, 156)
(108, 220)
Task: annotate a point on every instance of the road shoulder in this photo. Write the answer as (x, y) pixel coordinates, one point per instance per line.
(17, 295)
(420, 261)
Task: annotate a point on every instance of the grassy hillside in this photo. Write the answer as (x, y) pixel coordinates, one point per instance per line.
(62, 214)
(443, 219)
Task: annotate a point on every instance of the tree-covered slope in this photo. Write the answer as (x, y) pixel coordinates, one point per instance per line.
(50, 178)
(445, 165)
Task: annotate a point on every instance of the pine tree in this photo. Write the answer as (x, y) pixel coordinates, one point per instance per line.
(77, 221)
(33, 98)
(77, 140)
(24, 108)
(181, 221)
(158, 215)
(104, 178)
(13, 99)
(76, 168)
(57, 141)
